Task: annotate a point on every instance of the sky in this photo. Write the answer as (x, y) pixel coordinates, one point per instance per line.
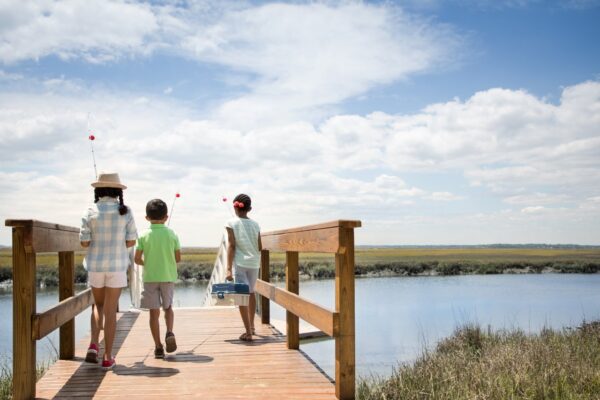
(432, 121)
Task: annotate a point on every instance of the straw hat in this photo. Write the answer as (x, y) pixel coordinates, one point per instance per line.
(108, 180)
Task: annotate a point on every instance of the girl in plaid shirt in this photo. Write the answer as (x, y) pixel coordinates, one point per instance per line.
(107, 230)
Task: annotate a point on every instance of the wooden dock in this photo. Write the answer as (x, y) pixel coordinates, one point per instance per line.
(210, 363)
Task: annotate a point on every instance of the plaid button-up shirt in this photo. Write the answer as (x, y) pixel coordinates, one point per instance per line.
(107, 230)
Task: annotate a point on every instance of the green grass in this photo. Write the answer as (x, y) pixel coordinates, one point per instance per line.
(197, 263)
(6, 377)
(475, 364)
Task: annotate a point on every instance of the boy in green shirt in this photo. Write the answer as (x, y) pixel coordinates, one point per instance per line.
(158, 250)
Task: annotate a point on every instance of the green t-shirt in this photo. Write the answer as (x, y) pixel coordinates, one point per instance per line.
(159, 244)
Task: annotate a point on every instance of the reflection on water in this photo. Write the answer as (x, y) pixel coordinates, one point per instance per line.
(397, 317)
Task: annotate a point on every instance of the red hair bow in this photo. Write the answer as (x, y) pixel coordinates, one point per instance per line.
(238, 204)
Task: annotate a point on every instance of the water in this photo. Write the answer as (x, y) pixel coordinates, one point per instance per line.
(396, 318)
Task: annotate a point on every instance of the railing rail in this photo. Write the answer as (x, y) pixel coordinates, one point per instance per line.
(335, 237)
(219, 271)
(28, 238)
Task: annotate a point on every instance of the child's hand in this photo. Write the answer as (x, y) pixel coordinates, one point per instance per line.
(229, 276)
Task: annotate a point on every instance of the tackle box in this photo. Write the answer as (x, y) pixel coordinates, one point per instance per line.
(230, 294)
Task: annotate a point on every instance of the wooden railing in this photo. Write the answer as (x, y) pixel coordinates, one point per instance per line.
(28, 238)
(336, 237)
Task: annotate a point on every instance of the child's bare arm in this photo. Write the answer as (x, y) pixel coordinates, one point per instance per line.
(129, 243)
(230, 253)
(138, 257)
(177, 256)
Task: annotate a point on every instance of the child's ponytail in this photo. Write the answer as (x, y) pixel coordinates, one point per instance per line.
(122, 207)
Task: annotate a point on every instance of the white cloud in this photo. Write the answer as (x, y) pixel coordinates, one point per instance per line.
(281, 140)
(295, 60)
(94, 30)
(542, 159)
(534, 209)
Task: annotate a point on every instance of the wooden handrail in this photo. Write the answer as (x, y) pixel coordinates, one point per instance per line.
(314, 314)
(28, 238)
(335, 237)
(61, 313)
(320, 238)
(46, 237)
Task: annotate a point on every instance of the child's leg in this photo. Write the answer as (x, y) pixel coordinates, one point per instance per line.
(97, 316)
(251, 310)
(246, 320)
(111, 301)
(169, 319)
(154, 326)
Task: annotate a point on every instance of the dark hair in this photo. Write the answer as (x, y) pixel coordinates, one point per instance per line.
(156, 209)
(111, 192)
(244, 198)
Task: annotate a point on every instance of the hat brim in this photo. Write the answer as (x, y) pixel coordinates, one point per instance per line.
(108, 185)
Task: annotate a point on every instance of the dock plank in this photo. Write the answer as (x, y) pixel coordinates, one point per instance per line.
(210, 363)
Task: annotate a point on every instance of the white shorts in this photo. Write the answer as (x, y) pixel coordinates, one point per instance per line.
(246, 275)
(107, 279)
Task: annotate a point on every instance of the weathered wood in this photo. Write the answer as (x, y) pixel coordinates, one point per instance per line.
(33, 223)
(66, 310)
(344, 305)
(314, 314)
(320, 241)
(46, 237)
(24, 306)
(210, 363)
(292, 286)
(265, 306)
(341, 223)
(66, 289)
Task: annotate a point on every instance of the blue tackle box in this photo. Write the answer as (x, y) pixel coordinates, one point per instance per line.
(230, 294)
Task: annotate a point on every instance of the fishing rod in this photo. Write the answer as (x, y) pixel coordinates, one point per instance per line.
(91, 137)
(177, 195)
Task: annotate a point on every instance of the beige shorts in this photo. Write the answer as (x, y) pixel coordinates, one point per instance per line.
(107, 279)
(157, 295)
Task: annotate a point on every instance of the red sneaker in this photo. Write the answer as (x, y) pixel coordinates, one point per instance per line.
(92, 354)
(108, 364)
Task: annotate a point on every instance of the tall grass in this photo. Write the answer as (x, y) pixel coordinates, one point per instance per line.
(478, 364)
(6, 377)
(197, 263)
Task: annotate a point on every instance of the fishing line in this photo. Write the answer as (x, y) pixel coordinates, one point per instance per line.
(177, 195)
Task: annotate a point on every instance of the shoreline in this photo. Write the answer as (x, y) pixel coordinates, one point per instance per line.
(310, 272)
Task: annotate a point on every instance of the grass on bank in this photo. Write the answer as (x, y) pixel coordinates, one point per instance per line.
(197, 263)
(478, 364)
(6, 377)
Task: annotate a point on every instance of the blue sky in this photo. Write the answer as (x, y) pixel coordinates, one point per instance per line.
(433, 122)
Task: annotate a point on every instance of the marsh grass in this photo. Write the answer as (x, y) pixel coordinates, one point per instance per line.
(478, 364)
(197, 263)
(6, 376)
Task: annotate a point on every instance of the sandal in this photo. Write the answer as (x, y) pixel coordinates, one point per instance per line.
(244, 337)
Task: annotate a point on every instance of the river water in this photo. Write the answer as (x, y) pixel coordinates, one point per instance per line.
(397, 317)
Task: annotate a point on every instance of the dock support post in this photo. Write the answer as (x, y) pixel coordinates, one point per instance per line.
(24, 307)
(66, 281)
(344, 305)
(265, 275)
(291, 285)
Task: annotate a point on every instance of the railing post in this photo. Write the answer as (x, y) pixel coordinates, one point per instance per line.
(265, 306)
(24, 307)
(66, 282)
(291, 285)
(344, 305)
